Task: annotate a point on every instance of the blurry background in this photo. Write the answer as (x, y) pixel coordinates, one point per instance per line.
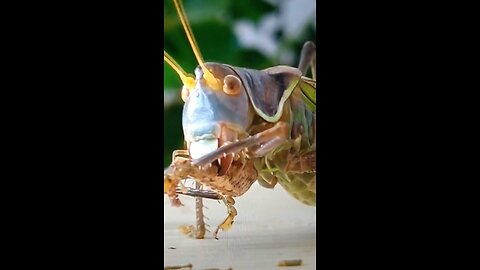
(249, 33)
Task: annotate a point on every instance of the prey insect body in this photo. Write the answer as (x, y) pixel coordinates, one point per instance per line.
(244, 125)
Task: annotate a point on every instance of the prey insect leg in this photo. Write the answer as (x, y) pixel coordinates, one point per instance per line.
(206, 194)
(228, 222)
(200, 222)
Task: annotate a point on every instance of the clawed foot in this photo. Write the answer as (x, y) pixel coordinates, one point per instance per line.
(228, 222)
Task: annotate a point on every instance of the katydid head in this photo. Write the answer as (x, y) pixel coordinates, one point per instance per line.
(215, 117)
(217, 109)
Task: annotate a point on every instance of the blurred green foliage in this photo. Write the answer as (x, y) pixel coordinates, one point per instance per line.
(212, 23)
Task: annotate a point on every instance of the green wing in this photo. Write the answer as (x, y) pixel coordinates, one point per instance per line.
(309, 92)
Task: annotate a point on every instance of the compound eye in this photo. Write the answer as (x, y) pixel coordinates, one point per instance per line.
(185, 93)
(231, 85)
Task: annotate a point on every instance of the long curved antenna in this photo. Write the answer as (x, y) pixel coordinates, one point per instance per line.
(187, 79)
(212, 82)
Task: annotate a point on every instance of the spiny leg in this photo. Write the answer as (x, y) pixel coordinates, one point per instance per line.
(206, 194)
(200, 222)
(228, 222)
(198, 231)
(266, 147)
(262, 142)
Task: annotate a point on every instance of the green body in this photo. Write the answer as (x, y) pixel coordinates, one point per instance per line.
(277, 94)
(293, 163)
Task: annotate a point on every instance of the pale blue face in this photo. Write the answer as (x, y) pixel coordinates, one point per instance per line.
(206, 109)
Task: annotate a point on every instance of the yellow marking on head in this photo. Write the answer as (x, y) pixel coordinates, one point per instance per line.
(187, 79)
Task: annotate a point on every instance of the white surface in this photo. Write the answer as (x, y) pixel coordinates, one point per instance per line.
(271, 226)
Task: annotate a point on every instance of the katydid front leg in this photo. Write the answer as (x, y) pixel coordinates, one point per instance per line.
(260, 143)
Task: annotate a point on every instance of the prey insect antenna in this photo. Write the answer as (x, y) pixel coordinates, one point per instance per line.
(213, 82)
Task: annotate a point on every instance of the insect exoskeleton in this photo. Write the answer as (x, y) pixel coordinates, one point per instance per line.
(242, 125)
